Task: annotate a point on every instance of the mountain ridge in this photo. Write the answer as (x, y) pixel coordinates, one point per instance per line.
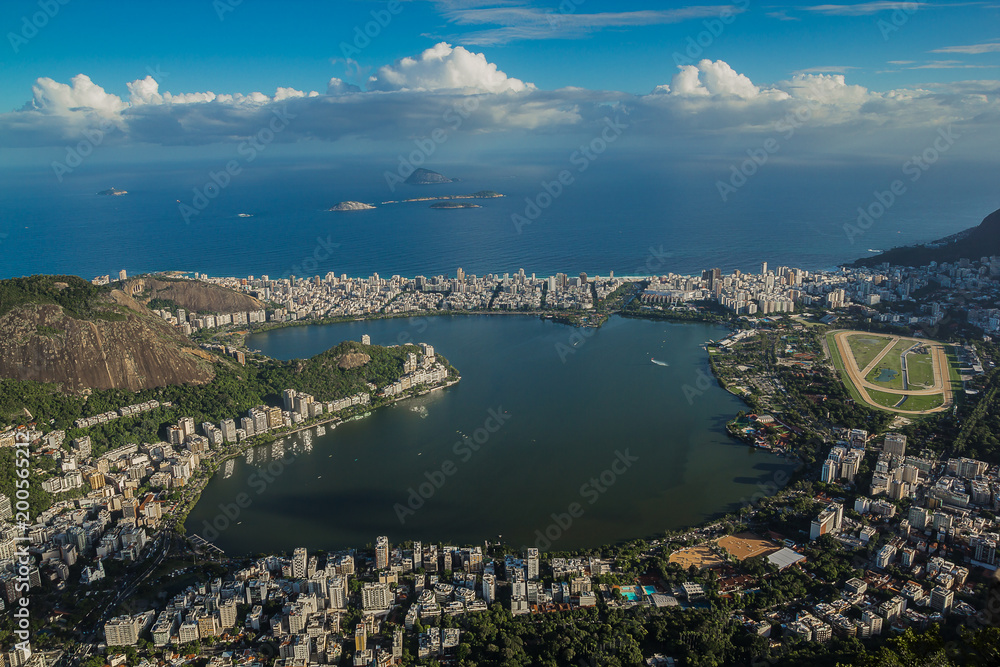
(973, 243)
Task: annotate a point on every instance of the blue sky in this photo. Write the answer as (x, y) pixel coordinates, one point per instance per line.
(259, 46)
(918, 63)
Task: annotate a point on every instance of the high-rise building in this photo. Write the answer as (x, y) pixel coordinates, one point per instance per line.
(942, 599)
(207, 626)
(532, 563)
(228, 428)
(122, 631)
(83, 446)
(260, 420)
(472, 559)
(895, 444)
(300, 560)
(829, 521)
(381, 552)
(830, 471)
(917, 517)
(337, 587)
(397, 641)
(274, 418)
(489, 588)
(376, 597)
(95, 479)
(885, 556)
(186, 425)
(986, 548)
(418, 555)
(227, 614)
(942, 521)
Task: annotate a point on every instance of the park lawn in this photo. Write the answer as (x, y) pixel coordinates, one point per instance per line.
(920, 369)
(866, 347)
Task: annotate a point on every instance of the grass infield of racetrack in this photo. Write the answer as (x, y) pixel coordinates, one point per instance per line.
(866, 347)
(912, 402)
(885, 400)
(894, 363)
(920, 370)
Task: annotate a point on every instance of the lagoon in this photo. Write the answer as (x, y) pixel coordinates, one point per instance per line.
(556, 436)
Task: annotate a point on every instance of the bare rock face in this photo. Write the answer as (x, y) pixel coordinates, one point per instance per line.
(352, 360)
(123, 346)
(192, 295)
(351, 206)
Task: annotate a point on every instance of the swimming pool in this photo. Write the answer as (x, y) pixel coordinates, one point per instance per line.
(630, 593)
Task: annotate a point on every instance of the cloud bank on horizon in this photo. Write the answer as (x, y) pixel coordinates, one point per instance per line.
(414, 95)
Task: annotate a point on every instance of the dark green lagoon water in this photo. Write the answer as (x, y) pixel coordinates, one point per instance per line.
(573, 402)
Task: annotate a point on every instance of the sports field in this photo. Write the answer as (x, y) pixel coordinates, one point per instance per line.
(747, 545)
(701, 556)
(882, 370)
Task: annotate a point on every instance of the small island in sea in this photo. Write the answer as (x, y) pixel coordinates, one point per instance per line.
(427, 177)
(449, 204)
(113, 191)
(482, 194)
(351, 206)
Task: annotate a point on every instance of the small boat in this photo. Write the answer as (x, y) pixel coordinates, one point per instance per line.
(659, 363)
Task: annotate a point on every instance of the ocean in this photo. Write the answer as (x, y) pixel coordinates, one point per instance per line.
(623, 214)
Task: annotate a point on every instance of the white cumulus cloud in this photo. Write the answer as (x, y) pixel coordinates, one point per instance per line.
(81, 95)
(442, 68)
(454, 88)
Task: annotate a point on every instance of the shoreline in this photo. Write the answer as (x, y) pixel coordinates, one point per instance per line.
(243, 447)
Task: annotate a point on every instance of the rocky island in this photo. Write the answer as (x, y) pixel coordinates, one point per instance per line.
(113, 192)
(482, 194)
(351, 206)
(426, 177)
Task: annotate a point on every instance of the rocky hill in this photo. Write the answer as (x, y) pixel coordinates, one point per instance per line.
(423, 176)
(62, 329)
(974, 243)
(192, 295)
